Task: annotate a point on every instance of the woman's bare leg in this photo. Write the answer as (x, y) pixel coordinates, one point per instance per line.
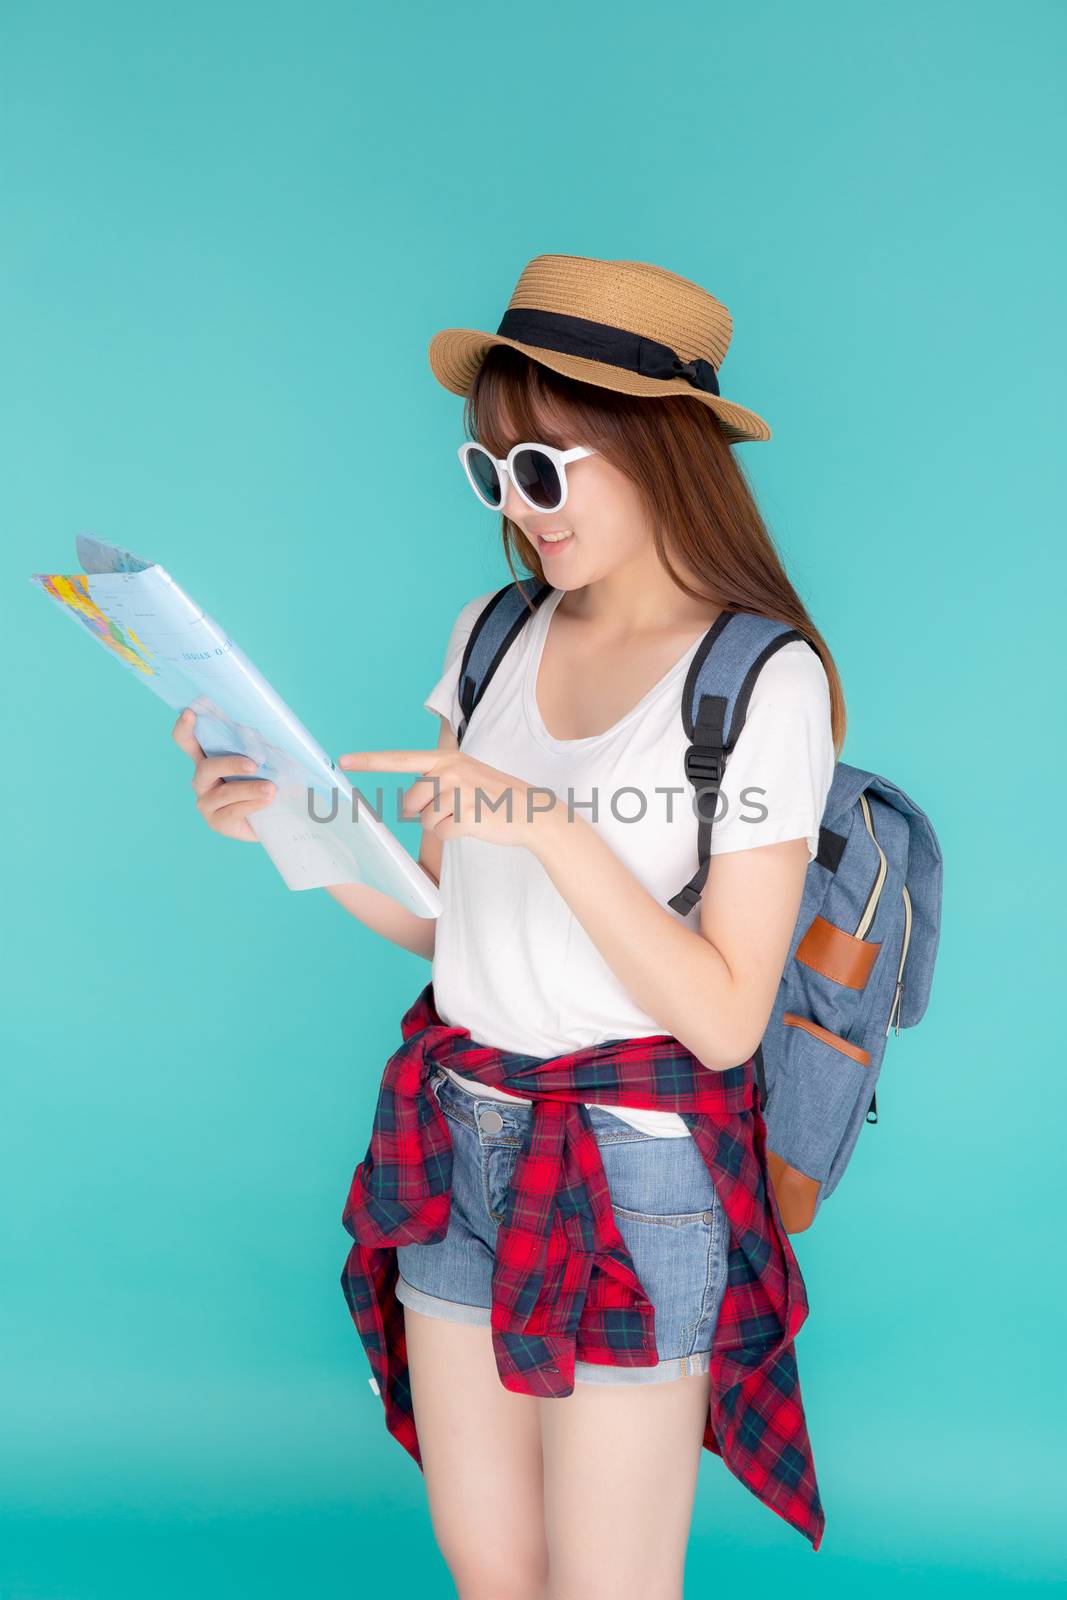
(620, 1472)
(481, 1456)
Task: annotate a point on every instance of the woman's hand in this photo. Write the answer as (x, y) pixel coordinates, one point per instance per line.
(459, 797)
(223, 806)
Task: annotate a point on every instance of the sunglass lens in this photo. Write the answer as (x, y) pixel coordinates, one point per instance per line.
(483, 471)
(537, 477)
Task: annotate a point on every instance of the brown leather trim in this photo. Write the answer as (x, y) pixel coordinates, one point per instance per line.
(838, 955)
(795, 1192)
(855, 1051)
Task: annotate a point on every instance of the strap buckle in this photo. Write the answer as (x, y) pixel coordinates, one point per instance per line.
(704, 764)
(684, 901)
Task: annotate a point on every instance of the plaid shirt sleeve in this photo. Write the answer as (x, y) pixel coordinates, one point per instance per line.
(564, 1286)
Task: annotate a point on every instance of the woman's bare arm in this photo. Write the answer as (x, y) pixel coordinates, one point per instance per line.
(382, 914)
(713, 990)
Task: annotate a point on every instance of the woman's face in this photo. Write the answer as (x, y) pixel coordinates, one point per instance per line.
(604, 519)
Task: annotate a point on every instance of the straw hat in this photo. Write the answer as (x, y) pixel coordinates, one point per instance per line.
(623, 325)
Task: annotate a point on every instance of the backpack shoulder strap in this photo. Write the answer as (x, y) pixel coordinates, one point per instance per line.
(715, 699)
(495, 629)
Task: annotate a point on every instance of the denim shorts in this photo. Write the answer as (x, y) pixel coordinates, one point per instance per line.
(666, 1208)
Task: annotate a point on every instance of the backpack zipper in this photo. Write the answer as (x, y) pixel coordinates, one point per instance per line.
(895, 1008)
(872, 902)
(871, 907)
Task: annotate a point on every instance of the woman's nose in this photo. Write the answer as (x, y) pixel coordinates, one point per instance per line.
(514, 505)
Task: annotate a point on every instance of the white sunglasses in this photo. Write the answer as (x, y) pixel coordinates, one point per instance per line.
(538, 471)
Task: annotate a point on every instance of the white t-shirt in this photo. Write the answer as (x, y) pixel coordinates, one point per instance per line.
(511, 961)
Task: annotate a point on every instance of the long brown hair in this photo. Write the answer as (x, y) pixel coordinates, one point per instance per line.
(702, 509)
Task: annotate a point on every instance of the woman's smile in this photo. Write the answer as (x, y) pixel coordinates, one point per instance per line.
(553, 542)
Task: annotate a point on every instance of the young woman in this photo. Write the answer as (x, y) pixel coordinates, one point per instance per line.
(555, 933)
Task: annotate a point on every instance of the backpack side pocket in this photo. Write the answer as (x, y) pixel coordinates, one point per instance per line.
(854, 1052)
(837, 954)
(822, 1089)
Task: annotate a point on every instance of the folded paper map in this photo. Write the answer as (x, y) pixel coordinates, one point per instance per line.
(317, 830)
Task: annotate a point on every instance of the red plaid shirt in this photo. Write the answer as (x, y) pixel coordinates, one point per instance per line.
(564, 1285)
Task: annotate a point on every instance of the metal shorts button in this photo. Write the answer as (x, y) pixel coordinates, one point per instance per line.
(708, 1215)
(490, 1122)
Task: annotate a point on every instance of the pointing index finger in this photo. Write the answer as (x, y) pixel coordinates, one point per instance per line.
(389, 760)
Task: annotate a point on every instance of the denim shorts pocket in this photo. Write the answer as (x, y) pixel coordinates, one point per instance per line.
(680, 1259)
(658, 1180)
(668, 1219)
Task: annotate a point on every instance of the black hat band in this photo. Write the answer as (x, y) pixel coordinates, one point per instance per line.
(598, 341)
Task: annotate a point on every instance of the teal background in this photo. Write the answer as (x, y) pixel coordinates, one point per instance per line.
(227, 235)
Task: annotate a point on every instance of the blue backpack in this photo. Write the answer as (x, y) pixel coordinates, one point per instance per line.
(862, 954)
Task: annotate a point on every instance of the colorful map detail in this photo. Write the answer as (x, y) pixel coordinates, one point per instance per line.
(73, 591)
